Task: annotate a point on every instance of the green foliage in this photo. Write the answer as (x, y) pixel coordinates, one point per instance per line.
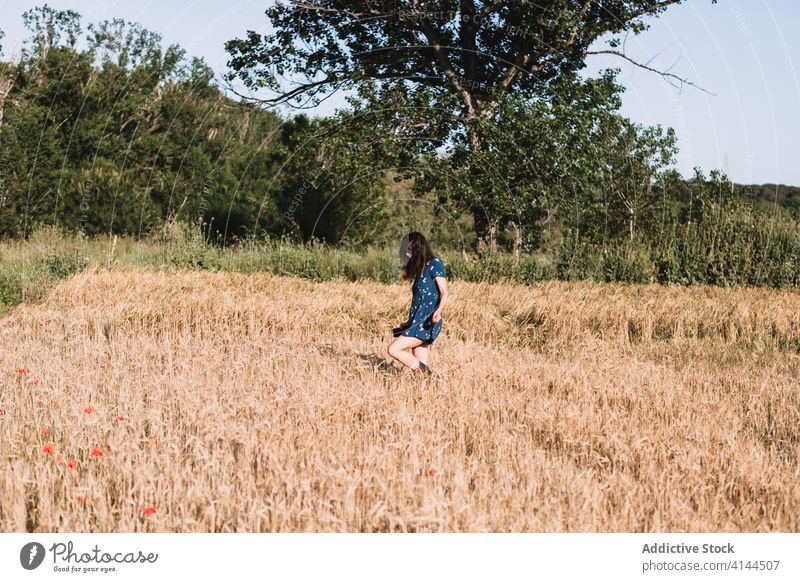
(10, 292)
(62, 263)
(328, 187)
(124, 135)
(129, 137)
(447, 46)
(567, 150)
(185, 245)
(477, 78)
(724, 241)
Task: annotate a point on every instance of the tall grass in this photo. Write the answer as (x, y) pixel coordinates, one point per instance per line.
(734, 251)
(29, 268)
(249, 402)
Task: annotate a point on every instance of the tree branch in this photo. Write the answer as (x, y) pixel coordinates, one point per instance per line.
(655, 6)
(283, 97)
(444, 63)
(487, 10)
(581, 14)
(522, 60)
(468, 34)
(665, 74)
(318, 8)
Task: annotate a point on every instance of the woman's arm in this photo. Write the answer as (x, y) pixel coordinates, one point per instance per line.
(441, 282)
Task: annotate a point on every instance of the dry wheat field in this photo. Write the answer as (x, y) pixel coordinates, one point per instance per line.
(149, 400)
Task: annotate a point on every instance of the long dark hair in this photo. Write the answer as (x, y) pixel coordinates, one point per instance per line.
(421, 253)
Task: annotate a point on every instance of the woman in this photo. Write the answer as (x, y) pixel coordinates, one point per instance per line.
(414, 338)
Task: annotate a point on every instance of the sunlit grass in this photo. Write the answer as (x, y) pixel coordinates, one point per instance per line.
(234, 402)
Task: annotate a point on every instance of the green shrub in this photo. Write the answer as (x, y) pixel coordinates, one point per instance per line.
(10, 290)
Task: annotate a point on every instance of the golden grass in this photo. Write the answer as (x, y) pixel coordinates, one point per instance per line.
(257, 403)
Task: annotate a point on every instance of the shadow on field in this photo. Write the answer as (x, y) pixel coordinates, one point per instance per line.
(374, 361)
(377, 362)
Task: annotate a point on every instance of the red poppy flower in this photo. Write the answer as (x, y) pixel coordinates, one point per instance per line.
(2, 410)
(431, 472)
(49, 448)
(88, 410)
(20, 371)
(45, 431)
(81, 499)
(149, 510)
(71, 465)
(96, 452)
(120, 418)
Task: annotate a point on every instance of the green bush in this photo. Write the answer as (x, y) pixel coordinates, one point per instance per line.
(10, 290)
(727, 248)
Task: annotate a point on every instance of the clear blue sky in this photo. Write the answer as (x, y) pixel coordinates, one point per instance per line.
(746, 52)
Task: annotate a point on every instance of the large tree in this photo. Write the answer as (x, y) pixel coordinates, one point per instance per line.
(467, 54)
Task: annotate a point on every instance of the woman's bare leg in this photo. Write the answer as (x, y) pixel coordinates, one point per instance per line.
(401, 350)
(422, 353)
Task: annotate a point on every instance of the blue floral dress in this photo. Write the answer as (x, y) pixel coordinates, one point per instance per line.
(424, 302)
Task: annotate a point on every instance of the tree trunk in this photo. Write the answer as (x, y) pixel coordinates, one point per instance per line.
(631, 220)
(493, 236)
(485, 230)
(517, 239)
(481, 227)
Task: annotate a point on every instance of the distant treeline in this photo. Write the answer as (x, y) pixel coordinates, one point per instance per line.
(106, 131)
(771, 195)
